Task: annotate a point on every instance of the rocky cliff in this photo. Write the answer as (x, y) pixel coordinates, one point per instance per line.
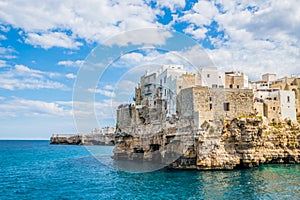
(83, 139)
(238, 143)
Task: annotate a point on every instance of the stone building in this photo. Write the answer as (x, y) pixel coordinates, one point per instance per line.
(237, 80)
(275, 104)
(289, 84)
(214, 104)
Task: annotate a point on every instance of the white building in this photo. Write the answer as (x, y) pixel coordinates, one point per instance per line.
(211, 77)
(277, 104)
(163, 84)
(148, 85)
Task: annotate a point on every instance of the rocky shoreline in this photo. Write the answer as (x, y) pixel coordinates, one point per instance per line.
(238, 143)
(83, 139)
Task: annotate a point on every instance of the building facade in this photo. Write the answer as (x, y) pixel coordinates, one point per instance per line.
(290, 84)
(237, 80)
(277, 104)
(214, 104)
(210, 77)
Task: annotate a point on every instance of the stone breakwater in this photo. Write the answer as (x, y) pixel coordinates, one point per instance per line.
(238, 143)
(83, 139)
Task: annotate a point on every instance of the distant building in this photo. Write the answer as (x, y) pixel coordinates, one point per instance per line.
(269, 77)
(260, 85)
(210, 77)
(290, 84)
(275, 104)
(105, 130)
(237, 80)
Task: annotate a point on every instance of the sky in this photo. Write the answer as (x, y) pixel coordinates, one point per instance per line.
(56, 57)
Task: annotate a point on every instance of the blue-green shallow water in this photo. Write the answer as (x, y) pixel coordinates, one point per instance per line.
(37, 170)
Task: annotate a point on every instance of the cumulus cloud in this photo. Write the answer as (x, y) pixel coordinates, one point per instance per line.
(254, 37)
(95, 20)
(248, 34)
(52, 39)
(172, 4)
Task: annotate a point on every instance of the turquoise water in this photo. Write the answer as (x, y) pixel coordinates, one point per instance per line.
(37, 170)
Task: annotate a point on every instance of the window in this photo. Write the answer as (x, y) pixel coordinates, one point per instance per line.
(275, 98)
(210, 98)
(226, 106)
(237, 86)
(160, 82)
(230, 86)
(210, 106)
(208, 75)
(274, 108)
(214, 86)
(288, 99)
(165, 92)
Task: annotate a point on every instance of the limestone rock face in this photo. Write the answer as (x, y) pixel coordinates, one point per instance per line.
(239, 143)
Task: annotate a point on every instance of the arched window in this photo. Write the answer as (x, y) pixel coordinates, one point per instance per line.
(296, 93)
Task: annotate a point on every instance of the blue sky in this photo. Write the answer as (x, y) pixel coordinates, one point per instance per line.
(43, 44)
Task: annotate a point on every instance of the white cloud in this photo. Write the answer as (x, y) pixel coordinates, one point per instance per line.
(147, 37)
(259, 37)
(24, 70)
(198, 33)
(71, 63)
(104, 92)
(201, 14)
(7, 52)
(95, 20)
(3, 63)
(172, 4)
(2, 37)
(109, 87)
(4, 28)
(22, 77)
(24, 107)
(52, 39)
(71, 76)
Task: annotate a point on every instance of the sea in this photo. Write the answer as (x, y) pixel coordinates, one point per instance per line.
(38, 170)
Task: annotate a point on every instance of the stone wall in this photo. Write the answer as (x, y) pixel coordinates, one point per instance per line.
(214, 104)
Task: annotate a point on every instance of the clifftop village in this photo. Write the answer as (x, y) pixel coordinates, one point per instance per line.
(205, 120)
(212, 94)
